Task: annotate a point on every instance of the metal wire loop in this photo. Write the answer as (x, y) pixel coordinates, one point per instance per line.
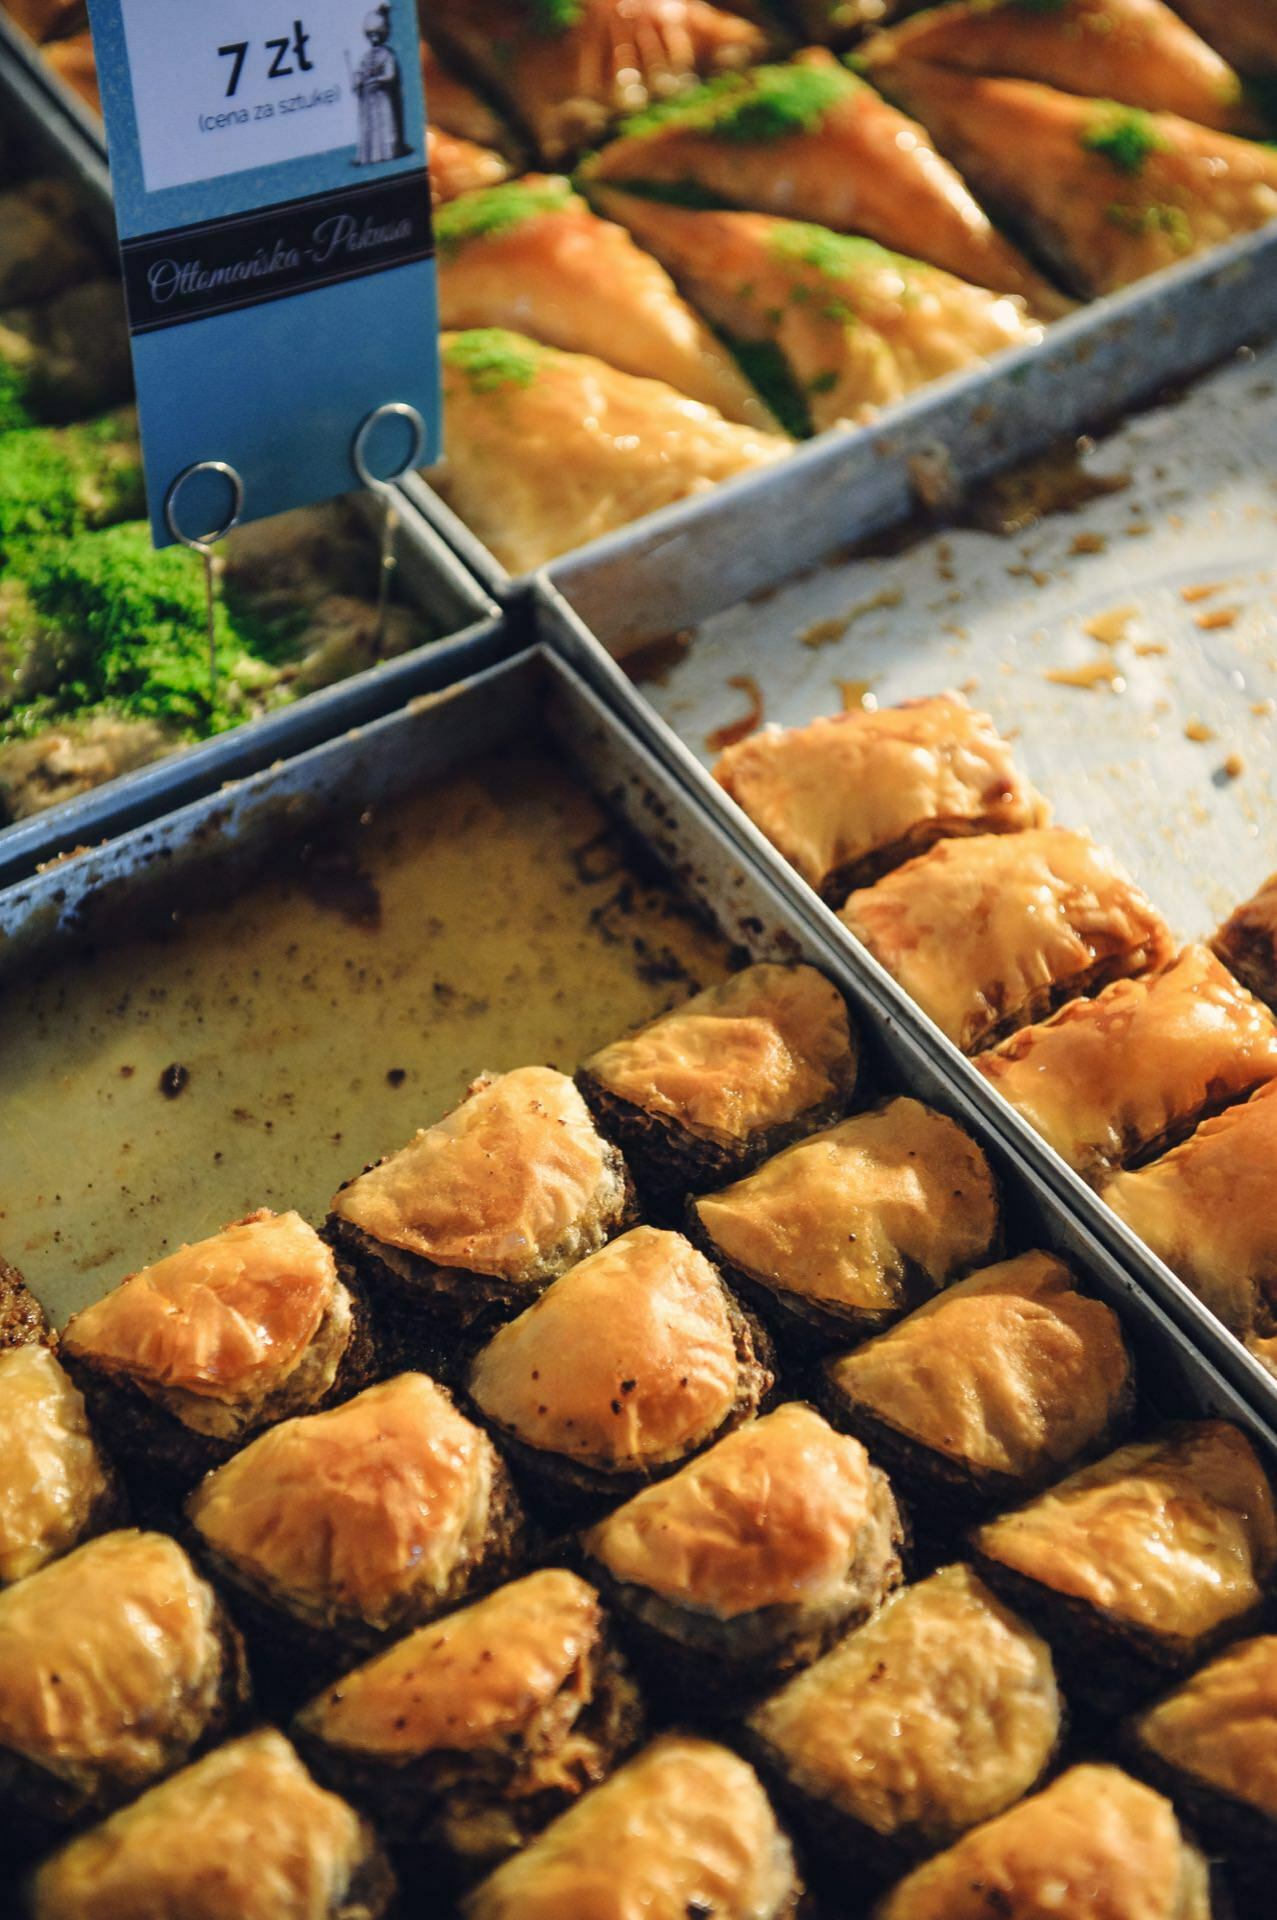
(204, 541)
(392, 410)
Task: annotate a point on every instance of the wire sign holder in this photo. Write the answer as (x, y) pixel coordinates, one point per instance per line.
(204, 543)
(383, 487)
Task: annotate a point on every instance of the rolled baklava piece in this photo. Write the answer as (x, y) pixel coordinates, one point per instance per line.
(852, 795)
(56, 1490)
(684, 1829)
(468, 1223)
(1138, 1567)
(1247, 943)
(1207, 1211)
(244, 1834)
(940, 1712)
(749, 1562)
(990, 1392)
(341, 1530)
(993, 933)
(22, 1318)
(840, 1235)
(635, 1361)
(1095, 1842)
(1212, 1745)
(186, 1360)
(470, 1735)
(1121, 1078)
(707, 1091)
(117, 1664)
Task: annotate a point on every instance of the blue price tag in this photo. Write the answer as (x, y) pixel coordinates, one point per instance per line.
(268, 162)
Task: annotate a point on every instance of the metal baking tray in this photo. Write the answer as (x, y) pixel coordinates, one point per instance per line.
(343, 1030)
(1058, 753)
(463, 616)
(680, 565)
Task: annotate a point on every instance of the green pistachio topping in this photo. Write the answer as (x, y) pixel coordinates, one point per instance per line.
(492, 210)
(492, 357)
(765, 104)
(1125, 137)
(56, 481)
(555, 16)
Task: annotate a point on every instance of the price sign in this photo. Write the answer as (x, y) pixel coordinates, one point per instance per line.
(268, 160)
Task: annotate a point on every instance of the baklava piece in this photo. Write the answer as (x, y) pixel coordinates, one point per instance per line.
(1113, 193)
(341, 1530)
(991, 934)
(1122, 1077)
(810, 141)
(1136, 1568)
(469, 1736)
(245, 1834)
(548, 450)
(990, 1392)
(1212, 1745)
(22, 1318)
(635, 1361)
(117, 1664)
(1247, 943)
(1137, 52)
(749, 1562)
(479, 1212)
(940, 1712)
(566, 72)
(852, 795)
(838, 1236)
(56, 1490)
(184, 1361)
(684, 1829)
(708, 1090)
(533, 255)
(459, 167)
(1093, 1843)
(1207, 1211)
(843, 326)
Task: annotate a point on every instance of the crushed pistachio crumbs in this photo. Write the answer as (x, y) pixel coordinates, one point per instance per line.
(1125, 136)
(492, 357)
(767, 103)
(493, 210)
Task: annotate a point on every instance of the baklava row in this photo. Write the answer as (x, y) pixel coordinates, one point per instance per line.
(471, 1700)
(1147, 1070)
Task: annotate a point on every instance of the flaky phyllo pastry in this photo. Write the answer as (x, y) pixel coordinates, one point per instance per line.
(532, 255)
(852, 795)
(1138, 52)
(1121, 1078)
(811, 141)
(1112, 192)
(847, 326)
(546, 450)
(992, 933)
(565, 69)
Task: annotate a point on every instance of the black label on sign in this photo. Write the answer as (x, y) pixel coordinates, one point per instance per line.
(221, 265)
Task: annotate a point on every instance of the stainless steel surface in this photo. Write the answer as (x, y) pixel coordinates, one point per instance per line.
(537, 701)
(463, 616)
(687, 562)
(1067, 1205)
